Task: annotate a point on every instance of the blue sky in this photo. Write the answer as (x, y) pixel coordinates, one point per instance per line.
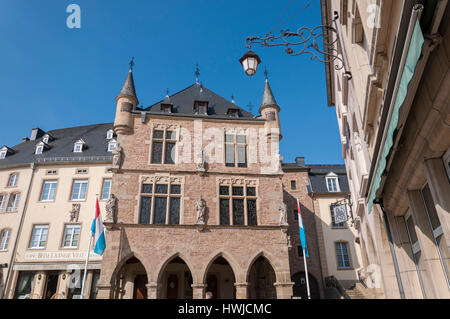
(54, 77)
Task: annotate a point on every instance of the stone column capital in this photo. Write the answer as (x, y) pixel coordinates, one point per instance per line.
(199, 286)
(241, 284)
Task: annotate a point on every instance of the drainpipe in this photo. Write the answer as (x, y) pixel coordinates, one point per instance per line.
(22, 216)
(394, 256)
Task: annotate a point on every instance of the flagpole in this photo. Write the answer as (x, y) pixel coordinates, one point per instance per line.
(83, 286)
(304, 254)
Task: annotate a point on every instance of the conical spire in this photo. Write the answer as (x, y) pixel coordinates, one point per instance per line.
(268, 98)
(128, 87)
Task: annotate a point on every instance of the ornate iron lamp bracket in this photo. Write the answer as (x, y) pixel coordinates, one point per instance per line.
(304, 41)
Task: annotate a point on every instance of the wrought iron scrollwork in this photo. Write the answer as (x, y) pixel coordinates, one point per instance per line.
(304, 41)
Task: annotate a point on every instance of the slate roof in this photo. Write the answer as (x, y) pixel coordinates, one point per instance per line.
(128, 87)
(61, 147)
(183, 104)
(268, 98)
(317, 174)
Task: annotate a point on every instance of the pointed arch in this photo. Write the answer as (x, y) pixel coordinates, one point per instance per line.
(161, 267)
(270, 259)
(231, 261)
(123, 262)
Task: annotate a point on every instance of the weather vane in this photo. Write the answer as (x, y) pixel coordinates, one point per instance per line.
(197, 73)
(132, 64)
(266, 73)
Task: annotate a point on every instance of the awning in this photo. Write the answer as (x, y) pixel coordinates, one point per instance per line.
(414, 54)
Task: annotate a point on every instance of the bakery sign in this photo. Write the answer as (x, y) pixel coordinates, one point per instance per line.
(59, 255)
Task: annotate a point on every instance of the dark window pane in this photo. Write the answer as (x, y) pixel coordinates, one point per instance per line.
(175, 189)
(229, 138)
(170, 153)
(300, 251)
(295, 214)
(229, 155)
(224, 190)
(158, 134)
(293, 185)
(161, 189)
(251, 211)
(157, 152)
(174, 213)
(160, 210)
(431, 209)
(238, 191)
(224, 212)
(147, 188)
(171, 135)
(238, 212)
(146, 206)
(251, 191)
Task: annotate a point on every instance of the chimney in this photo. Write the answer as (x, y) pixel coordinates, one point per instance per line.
(300, 161)
(25, 139)
(36, 133)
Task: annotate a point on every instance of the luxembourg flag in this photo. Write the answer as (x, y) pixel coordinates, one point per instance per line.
(98, 232)
(302, 230)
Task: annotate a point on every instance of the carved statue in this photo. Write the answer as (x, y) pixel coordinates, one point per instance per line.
(201, 165)
(74, 213)
(111, 205)
(200, 207)
(283, 214)
(117, 155)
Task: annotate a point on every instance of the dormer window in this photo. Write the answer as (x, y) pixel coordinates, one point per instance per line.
(201, 107)
(166, 108)
(47, 138)
(332, 183)
(40, 148)
(233, 112)
(112, 145)
(5, 151)
(109, 134)
(79, 146)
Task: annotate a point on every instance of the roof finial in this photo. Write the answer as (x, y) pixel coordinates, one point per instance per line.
(266, 73)
(167, 94)
(132, 64)
(197, 73)
(232, 99)
(201, 87)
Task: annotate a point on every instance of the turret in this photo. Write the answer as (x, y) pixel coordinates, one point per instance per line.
(126, 103)
(270, 110)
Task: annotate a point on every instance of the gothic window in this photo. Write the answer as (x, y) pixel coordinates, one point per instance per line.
(160, 203)
(238, 205)
(163, 146)
(235, 150)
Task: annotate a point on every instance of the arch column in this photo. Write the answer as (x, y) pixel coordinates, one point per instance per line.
(284, 289)
(241, 290)
(198, 291)
(152, 290)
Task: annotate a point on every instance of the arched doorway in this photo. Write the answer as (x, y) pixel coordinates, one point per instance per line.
(220, 279)
(261, 280)
(131, 280)
(176, 280)
(300, 286)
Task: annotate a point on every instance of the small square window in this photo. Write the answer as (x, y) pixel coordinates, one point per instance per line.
(39, 150)
(293, 185)
(78, 148)
(112, 146)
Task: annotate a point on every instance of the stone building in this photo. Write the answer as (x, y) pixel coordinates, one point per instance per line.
(391, 93)
(48, 187)
(199, 190)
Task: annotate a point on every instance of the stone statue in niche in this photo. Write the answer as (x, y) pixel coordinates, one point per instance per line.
(201, 165)
(283, 214)
(111, 205)
(75, 213)
(200, 207)
(117, 155)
